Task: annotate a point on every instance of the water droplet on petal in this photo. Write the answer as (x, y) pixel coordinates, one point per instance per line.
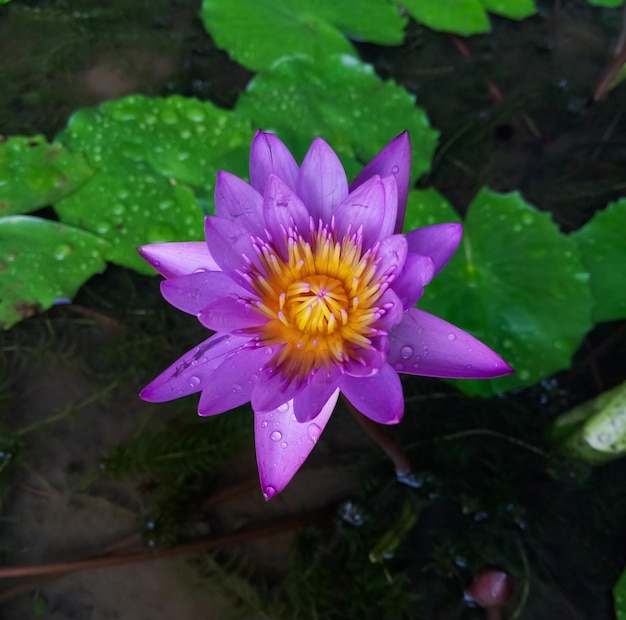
(314, 432)
(406, 352)
(276, 436)
(398, 366)
(264, 424)
(268, 493)
(283, 408)
(468, 366)
(451, 336)
(194, 382)
(283, 445)
(395, 170)
(237, 388)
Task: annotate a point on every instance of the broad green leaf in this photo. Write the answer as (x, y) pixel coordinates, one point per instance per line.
(156, 161)
(460, 16)
(258, 32)
(513, 9)
(619, 592)
(34, 173)
(516, 283)
(594, 432)
(602, 245)
(343, 101)
(40, 262)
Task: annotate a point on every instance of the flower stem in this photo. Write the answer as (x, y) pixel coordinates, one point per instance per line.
(388, 444)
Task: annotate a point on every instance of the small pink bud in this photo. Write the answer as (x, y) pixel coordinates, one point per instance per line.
(492, 587)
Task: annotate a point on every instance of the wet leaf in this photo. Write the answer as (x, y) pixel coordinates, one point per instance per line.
(156, 161)
(258, 32)
(513, 9)
(516, 283)
(602, 245)
(34, 173)
(343, 101)
(460, 16)
(41, 262)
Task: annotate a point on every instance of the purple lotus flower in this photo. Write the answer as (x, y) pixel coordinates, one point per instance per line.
(310, 288)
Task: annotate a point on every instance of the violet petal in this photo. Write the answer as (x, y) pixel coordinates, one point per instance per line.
(309, 401)
(394, 159)
(393, 309)
(232, 383)
(231, 246)
(194, 291)
(283, 443)
(418, 271)
(379, 396)
(283, 210)
(322, 181)
(237, 202)
(388, 224)
(364, 207)
(272, 390)
(268, 155)
(179, 258)
(229, 314)
(423, 344)
(191, 372)
(391, 256)
(438, 241)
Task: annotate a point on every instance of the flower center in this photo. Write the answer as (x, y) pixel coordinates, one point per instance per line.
(320, 297)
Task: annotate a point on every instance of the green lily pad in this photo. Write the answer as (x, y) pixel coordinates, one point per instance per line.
(602, 244)
(343, 101)
(513, 9)
(516, 283)
(156, 161)
(460, 16)
(41, 262)
(619, 592)
(258, 32)
(34, 173)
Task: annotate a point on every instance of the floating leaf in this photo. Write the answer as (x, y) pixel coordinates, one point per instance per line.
(156, 161)
(40, 262)
(34, 173)
(602, 245)
(460, 16)
(515, 282)
(258, 32)
(513, 9)
(341, 100)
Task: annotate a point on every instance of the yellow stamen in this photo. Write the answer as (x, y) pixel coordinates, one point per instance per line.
(320, 300)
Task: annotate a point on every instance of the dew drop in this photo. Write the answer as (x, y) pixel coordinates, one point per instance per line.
(283, 408)
(283, 445)
(264, 424)
(160, 233)
(468, 366)
(237, 388)
(398, 366)
(276, 436)
(314, 432)
(194, 382)
(62, 251)
(406, 352)
(268, 493)
(451, 336)
(395, 170)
